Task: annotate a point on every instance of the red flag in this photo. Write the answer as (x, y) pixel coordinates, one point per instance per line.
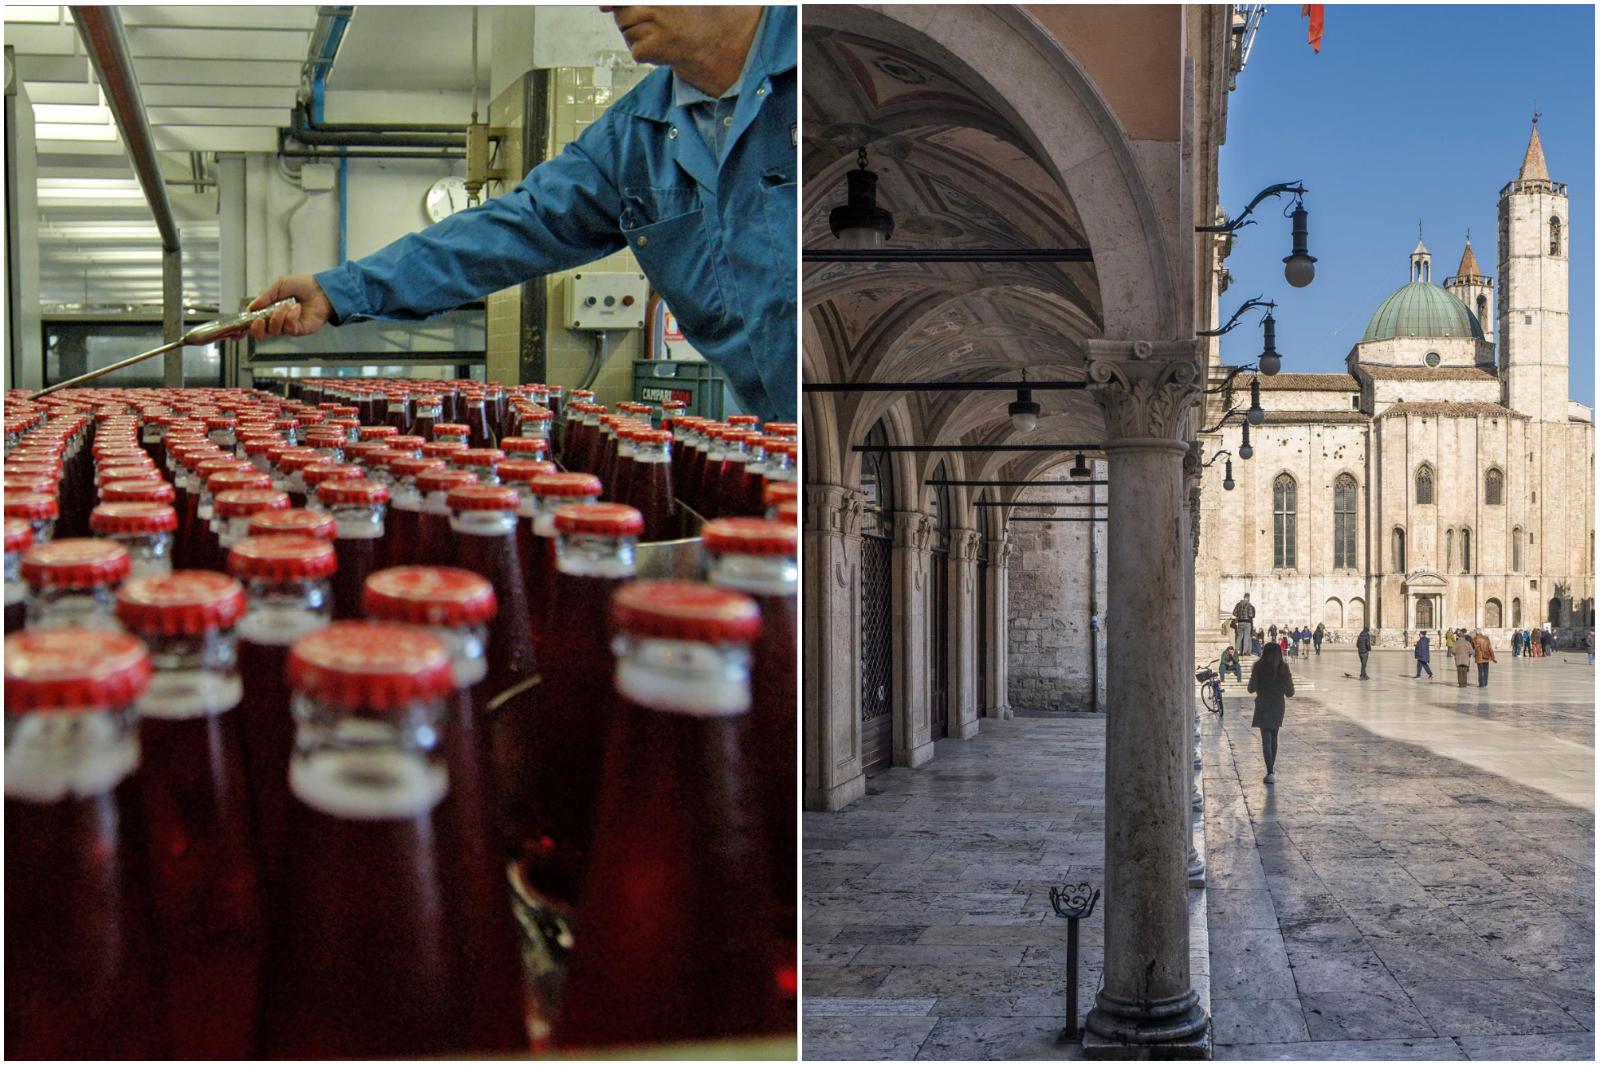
(1313, 13)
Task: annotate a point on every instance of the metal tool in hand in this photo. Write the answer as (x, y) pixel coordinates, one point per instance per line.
(1074, 903)
(207, 333)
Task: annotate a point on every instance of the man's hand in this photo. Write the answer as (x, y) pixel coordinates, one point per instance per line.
(297, 320)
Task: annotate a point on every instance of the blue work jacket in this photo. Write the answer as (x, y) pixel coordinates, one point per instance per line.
(716, 240)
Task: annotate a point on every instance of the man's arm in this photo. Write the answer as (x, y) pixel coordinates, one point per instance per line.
(562, 215)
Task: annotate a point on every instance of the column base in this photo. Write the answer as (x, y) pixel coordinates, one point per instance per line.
(836, 797)
(914, 756)
(965, 730)
(1175, 1028)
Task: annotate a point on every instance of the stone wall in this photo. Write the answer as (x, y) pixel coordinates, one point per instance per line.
(1049, 598)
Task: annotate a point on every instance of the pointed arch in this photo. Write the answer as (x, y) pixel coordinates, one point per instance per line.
(1494, 487)
(1283, 522)
(1344, 522)
(1423, 493)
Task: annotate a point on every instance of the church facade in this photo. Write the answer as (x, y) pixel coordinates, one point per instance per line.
(1445, 480)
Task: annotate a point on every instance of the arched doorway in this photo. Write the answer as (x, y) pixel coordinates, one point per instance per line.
(939, 608)
(877, 606)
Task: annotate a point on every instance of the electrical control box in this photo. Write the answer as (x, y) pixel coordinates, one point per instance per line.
(605, 300)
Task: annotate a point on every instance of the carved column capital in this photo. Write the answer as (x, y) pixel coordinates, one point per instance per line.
(913, 530)
(1000, 550)
(833, 509)
(1146, 389)
(964, 544)
(1194, 465)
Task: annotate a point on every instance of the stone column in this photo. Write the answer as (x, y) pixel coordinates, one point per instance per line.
(999, 696)
(913, 734)
(831, 681)
(1192, 468)
(963, 634)
(1146, 391)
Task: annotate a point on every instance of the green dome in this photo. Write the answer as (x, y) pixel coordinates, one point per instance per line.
(1421, 309)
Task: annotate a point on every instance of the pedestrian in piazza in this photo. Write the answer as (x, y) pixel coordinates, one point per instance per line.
(1291, 642)
(1316, 638)
(1421, 654)
(1516, 644)
(1255, 643)
(1483, 655)
(1244, 619)
(1588, 646)
(1461, 651)
(1230, 661)
(1548, 639)
(1272, 683)
(1363, 649)
(1272, 632)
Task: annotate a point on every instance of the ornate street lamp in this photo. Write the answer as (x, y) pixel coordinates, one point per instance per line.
(1024, 412)
(1256, 414)
(860, 224)
(1245, 450)
(1080, 469)
(1270, 361)
(1299, 266)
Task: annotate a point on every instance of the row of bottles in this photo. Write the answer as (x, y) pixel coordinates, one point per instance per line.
(294, 701)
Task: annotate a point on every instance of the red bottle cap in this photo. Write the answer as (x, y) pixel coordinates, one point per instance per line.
(220, 422)
(51, 467)
(74, 670)
(603, 519)
(534, 413)
(236, 503)
(478, 457)
(75, 563)
(750, 536)
(30, 483)
(352, 491)
(183, 603)
(782, 429)
(228, 480)
(294, 520)
(375, 432)
(133, 518)
(411, 465)
(317, 473)
(34, 505)
(565, 485)
(685, 610)
(451, 429)
(364, 452)
(789, 511)
(371, 665)
(282, 558)
(443, 480)
(291, 460)
(443, 449)
(205, 469)
(482, 498)
(153, 490)
(743, 420)
(261, 444)
(524, 447)
(406, 441)
(129, 472)
(525, 470)
(429, 596)
(19, 535)
(778, 492)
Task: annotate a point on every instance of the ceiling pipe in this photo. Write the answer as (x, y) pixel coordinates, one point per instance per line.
(302, 129)
(101, 30)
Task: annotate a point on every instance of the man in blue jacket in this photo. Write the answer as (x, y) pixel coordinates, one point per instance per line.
(693, 171)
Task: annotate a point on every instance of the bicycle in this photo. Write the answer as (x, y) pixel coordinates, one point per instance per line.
(1210, 690)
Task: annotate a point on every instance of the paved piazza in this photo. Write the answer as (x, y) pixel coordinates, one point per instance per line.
(1418, 884)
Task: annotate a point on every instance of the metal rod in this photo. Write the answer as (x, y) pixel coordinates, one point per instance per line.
(1072, 979)
(103, 39)
(940, 386)
(947, 255)
(966, 448)
(1016, 484)
(201, 334)
(1040, 503)
(301, 153)
(1046, 518)
(172, 317)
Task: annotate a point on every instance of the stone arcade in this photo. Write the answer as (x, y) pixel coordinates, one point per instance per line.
(1007, 127)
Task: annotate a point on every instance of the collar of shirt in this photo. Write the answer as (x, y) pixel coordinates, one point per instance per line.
(714, 114)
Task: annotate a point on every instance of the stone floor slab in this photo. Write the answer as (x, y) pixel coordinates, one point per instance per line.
(1434, 1050)
(1574, 1046)
(875, 1038)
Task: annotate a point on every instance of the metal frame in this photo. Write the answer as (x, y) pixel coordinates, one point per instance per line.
(947, 255)
(1007, 484)
(940, 386)
(971, 448)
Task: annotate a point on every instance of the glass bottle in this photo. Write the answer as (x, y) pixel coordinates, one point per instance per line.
(19, 537)
(144, 529)
(691, 958)
(317, 473)
(458, 606)
(78, 945)
(358, 510)
(364, 950)
(405, 509)
(427, 411)
(649, 484)
(484, 521)
(536, 544)
(38, 509)
(757, 557)
(72, 583)
(291, 521)
(234, 509)
(287, 593)
(435, 542)
(210, 935)
(453, 433)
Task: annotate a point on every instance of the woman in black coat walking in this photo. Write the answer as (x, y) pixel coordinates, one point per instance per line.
(1272, 683)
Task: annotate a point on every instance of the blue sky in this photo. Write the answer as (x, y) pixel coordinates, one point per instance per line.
(1410, 112)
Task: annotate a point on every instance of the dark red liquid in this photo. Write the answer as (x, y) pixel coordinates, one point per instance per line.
(183, 544)
(476, 417)
(538, 558)
(435, 540)
(422, 425)
(674, 929)
(210, 927)
(80, 981)
(362, 960)
(621, 482)
(693, 475)
(400, 536)
(269, 740)
(773, 755)
(487, 935)
(16, 614)
(751, 485)
(358, 557)
(495, 558)
(399, 415)
(549, 747)
(650, 492)
(606, 463)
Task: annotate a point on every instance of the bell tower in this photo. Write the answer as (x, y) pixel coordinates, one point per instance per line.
(1472, 287)
(1533, 289)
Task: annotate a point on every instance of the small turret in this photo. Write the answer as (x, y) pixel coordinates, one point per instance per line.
(1475, 289)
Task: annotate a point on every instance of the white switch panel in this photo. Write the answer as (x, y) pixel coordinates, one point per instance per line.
(605, 300)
